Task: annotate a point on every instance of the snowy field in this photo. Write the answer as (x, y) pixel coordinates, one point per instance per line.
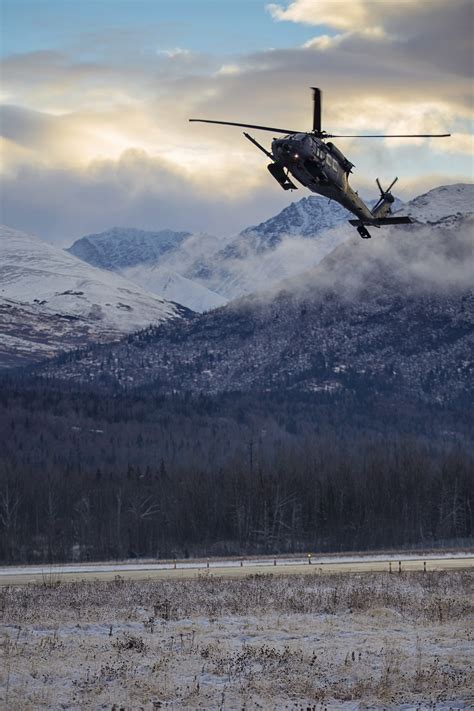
(376, 641)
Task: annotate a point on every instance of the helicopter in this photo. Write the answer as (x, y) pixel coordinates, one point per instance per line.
(317, 164)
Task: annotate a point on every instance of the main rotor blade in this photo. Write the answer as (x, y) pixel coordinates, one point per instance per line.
(256, 143)
(317, 105)
(247, 125)
(391, 185)
(389, 135)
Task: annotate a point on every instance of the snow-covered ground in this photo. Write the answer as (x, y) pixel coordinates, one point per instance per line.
(336, 642)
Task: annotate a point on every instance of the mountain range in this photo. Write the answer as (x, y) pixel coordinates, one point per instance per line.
(202, 272)
(51, 301)
(106, 285)
(394, 314)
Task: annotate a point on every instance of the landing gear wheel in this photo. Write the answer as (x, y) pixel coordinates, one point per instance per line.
(364, 233)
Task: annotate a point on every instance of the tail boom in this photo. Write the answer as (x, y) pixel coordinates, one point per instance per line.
(379, 222)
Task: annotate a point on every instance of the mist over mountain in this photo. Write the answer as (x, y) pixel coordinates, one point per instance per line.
(307, 218)
(394, 314)
(50, 301)
(155, 261)
(203, 272)
(283, 246)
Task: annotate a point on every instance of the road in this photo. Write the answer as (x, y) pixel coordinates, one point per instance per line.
(233, 568)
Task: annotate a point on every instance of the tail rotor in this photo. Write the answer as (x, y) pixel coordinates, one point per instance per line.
(385, 200)
(383, 192)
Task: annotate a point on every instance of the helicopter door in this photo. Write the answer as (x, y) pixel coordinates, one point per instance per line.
(331, 163)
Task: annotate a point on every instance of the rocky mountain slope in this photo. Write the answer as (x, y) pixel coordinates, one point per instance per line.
(394, 313)
(122, 247)
(50, 301)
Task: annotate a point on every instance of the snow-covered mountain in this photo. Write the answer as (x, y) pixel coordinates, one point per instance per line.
(155, 261)
(441, 203)
(393, 315)
(51, 301)
(305, 218)
(308, 218)
(286, 245)
(122, 247)
(214, 269)
(174, 287)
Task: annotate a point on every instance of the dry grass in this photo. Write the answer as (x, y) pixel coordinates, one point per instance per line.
(258, 642)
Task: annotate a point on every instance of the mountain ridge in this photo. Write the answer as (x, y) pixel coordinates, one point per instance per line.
(286, 244)
(395, 313)
(121, 247)
(227, 268)
(52, 301)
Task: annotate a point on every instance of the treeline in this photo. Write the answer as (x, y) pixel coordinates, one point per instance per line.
(366, 496)
(95, 476)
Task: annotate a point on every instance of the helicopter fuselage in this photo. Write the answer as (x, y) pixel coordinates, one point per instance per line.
(322, 168)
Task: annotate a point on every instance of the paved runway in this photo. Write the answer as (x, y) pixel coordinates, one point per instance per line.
(232, 568)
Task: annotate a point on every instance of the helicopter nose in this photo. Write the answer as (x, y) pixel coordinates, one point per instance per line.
(286, 148)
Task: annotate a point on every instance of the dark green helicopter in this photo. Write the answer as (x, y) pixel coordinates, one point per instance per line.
(321, 167)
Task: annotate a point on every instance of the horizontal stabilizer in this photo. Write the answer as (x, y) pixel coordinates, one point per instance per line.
(383, 221)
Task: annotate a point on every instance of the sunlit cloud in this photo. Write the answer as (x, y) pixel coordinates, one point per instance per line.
(358, 16)
(323, 42)
(335, 13)
(228, 70)
(118, 123)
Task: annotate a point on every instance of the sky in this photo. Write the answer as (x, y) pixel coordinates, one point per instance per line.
(96, 97)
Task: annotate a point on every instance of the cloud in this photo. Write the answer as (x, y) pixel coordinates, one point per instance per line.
(434, 32)
(415, 259)
(175, 52)
(228, 69)
(420, 257)
(136, 190)
(79, 116)
(356, 15)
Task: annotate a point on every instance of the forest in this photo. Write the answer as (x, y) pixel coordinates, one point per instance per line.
(106, 474)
